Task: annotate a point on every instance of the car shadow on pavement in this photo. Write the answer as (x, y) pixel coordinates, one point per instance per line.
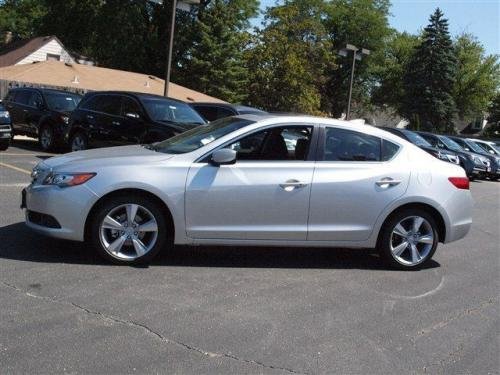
(32, 145)
(17, 242)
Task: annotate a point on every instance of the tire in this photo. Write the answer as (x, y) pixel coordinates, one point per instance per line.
(4, 146)
(398, 230)
(121, 240)
(46, 138)
(78, 142)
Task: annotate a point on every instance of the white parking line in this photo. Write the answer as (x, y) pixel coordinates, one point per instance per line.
(14, 185)
(15, 168)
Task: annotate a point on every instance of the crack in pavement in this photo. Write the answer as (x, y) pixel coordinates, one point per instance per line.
(149, 331)
(445, 322)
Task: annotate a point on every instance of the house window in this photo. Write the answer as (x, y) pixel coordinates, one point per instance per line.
(53, 57)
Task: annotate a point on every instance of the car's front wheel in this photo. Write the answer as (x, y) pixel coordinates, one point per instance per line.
(46, 138)
(129, 229)
(78, 142)
(408, 239)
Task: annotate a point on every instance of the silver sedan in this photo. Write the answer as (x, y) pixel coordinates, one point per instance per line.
(252, 180)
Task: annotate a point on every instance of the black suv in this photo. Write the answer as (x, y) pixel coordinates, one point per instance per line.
(114, 118)
(41, 113)
(5, 128)
(215, 111)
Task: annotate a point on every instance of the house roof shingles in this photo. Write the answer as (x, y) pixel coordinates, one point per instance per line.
(14, 52)
(55, 73)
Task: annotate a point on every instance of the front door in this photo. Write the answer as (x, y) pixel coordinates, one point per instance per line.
(263, 196)
(357, 176)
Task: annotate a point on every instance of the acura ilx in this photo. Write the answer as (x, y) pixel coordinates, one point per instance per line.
(258, 181)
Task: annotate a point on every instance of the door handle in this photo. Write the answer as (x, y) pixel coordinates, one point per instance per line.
(292, 184)
(116, 123)
(90, 117)
(387, 182)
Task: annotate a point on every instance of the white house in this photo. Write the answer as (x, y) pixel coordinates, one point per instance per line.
(43, 48)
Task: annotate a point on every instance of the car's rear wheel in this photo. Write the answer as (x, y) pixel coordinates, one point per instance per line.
(46, 138)
(78, 142)
(129, 229)
(408, 239)
(4, 145)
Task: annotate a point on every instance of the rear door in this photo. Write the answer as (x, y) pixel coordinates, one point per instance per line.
(357, 175)
(18, 109)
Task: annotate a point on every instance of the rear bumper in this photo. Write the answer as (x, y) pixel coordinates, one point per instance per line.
(459, 210)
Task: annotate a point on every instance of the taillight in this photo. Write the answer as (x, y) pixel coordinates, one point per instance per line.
(460, 182)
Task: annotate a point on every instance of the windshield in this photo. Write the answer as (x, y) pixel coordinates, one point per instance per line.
(450, 144)
(474, 147)
(172, 111)
(63, 102)
(200, 136)
(417, 139)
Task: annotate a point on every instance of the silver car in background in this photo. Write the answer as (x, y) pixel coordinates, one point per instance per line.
(255, 180)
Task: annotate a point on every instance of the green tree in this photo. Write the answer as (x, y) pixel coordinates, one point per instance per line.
(494, 117)
(389, 69)
(429, 79)
(21, 17)
(365, 24)
(477, 77)
(214, 63)
(289, 58)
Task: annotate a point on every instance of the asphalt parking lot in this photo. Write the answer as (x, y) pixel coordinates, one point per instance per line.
(244, 310)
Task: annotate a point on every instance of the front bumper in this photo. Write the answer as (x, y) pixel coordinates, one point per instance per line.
(69, 207)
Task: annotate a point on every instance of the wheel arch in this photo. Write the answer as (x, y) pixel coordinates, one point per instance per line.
(130, 191)
(436, 215)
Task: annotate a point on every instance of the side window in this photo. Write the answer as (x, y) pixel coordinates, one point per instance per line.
(91, 103)
(389, 149)
(282, 143)
(23, 96)
(129, 105)
(109, 104)
(10, 96)
(35, 99)
(347, 145)
(224, 112)
(208, 113)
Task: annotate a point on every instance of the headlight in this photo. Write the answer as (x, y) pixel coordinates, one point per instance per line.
(65, 119)
(67, 179)
(4, 114)
(453, 159)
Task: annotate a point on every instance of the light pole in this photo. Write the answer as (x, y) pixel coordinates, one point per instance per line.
(182, 5)
(357, 54)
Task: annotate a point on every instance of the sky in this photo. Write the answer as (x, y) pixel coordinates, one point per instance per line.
(478, 17)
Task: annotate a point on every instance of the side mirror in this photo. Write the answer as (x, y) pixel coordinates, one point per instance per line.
(133, 115)
(223, 156)
(491, 152)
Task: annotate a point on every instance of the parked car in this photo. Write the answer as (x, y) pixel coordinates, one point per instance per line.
(467, 145)
(214, 111)
(481, 163)
(235, 182)
(114, 118)
(41, 113)
(5, 128)
(489, 146)
(441, 154)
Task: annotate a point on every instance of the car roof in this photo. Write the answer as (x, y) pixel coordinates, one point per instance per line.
(133, 93)
(45, 90)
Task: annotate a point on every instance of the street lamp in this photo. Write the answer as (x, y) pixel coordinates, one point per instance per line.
(357, 54)
(176, 4)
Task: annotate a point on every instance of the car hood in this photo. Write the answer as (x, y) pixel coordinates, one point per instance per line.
(86, 161)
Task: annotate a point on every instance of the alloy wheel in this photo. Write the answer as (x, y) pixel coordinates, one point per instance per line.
(78, 143)
(46, 138)
(412, 240)
(128, 232)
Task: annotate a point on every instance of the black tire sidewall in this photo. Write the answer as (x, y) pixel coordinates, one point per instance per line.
(104, 208)
(4, 146)
(383, 245)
